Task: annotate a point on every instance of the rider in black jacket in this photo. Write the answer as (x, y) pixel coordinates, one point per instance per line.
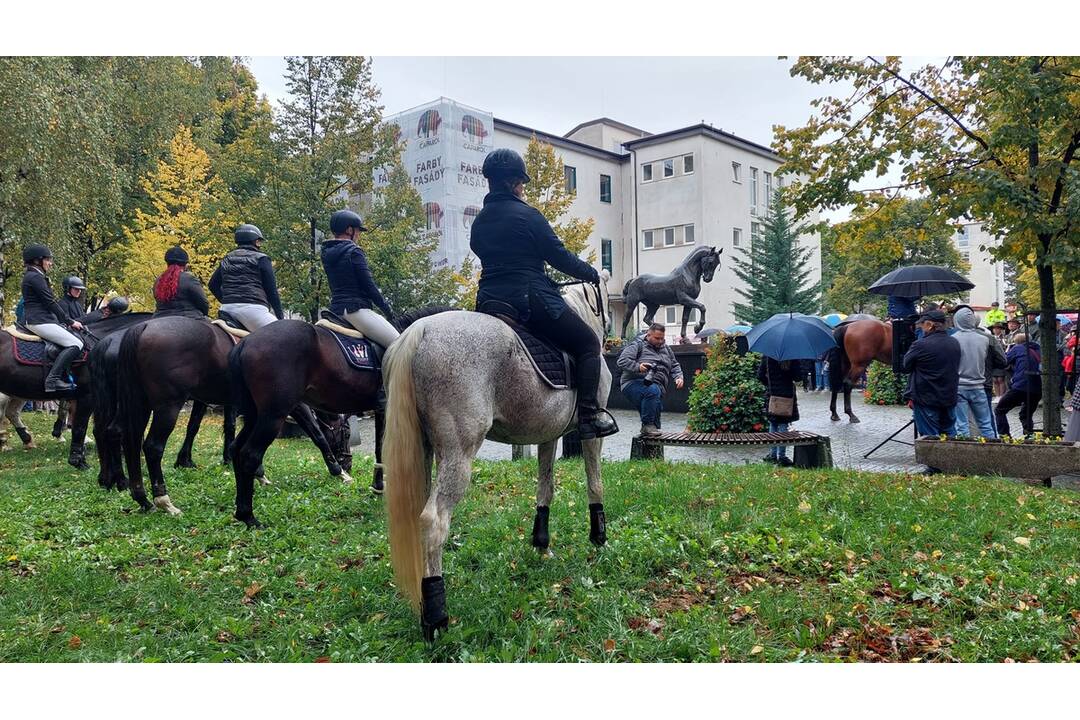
(244, 283)
(45, 318)
(177, 292)
(72, 300)
(353, 291)
(513, 241)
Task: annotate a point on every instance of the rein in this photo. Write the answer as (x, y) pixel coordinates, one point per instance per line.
(598, 311)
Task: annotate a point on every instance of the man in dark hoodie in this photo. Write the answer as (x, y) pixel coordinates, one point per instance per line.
(1024, 360)
(975, 348)
(933, 363)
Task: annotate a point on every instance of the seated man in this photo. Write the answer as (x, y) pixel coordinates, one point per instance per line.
(647, 363)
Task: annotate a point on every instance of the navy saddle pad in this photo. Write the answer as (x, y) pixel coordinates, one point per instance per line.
(359, 352)
(553, 365)
(38, 353)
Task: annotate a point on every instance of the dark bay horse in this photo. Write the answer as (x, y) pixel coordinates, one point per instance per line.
(162, 364)
(289, 362)
(679, 287)
(858, 344)
(28, 381)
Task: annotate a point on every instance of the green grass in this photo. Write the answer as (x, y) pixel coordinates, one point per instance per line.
(704, 563)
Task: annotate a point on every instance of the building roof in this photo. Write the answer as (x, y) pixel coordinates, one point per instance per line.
(708, 130)
(523, 131)
(613, 123)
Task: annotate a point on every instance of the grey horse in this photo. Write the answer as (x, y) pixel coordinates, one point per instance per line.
(453, 380)
(679, 287)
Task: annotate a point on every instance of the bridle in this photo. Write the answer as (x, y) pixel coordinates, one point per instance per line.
(598, 311)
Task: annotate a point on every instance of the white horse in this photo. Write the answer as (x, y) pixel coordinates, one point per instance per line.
(453, 380)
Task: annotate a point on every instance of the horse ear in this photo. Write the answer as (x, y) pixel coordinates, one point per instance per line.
(718, 252)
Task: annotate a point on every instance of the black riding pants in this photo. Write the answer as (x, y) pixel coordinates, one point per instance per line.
(570, 333)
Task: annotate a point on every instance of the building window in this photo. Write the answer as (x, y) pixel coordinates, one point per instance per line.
(736, 172)
(736, 237)
(670, 315)
(755, 233)
(646, 172)
(605, 255)
(646, 239)
(688, 235)
(669, 168)
(768, 190)
(605, 188)
(669, 237)
(687, 164)
(570, 173)
(753, 188)
(962, 237)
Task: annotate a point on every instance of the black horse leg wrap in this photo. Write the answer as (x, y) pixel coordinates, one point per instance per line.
(433, 602)
(540, 537)
(597, 524)
(24, 435)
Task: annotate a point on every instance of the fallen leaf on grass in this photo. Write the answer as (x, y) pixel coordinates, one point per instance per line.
(1026, 542)
(756, 649)
(609, 645)
(849, 554)
(741, 613)
(224, 636)
(323, 659)
(75, 642)
(804, 507)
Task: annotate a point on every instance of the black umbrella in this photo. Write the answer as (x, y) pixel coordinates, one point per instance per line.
(919, 280)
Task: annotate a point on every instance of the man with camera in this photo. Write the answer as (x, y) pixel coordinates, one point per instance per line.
(647, 364)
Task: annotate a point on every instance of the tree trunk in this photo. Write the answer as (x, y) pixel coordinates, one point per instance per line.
(1051, 368)
(313, 308)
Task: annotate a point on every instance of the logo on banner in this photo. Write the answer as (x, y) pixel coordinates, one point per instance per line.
(469, 215)
(427, 127)
(474, 132)
(434, 215)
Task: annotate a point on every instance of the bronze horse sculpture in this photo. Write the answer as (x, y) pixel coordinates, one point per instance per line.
(679, 287)
(858, 344)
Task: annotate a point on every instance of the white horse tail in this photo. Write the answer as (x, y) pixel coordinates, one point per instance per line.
(405, 462)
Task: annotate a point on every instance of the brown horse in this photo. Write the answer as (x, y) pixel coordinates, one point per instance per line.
(858, 344)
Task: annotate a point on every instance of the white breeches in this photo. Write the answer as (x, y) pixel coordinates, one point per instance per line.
(56, 335)
(374, 326)
(250, 315)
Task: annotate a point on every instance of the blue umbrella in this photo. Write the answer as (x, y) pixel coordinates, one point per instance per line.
(708, 332)
(791, 336)
(833, 319)
(737, 329)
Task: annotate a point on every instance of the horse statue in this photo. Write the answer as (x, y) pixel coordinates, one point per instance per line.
(858, 344)
(453, 380)
(679, 287)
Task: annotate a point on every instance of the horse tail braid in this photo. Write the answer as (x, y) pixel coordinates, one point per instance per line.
(405, 461)
(838, 359)
(132, 406)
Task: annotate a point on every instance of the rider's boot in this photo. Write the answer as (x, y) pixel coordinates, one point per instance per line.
(592, 421)
(57, 379)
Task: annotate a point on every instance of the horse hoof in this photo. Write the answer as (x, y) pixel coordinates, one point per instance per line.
(145, 506)
(835, 418)
(346, 478)
(597, 524)
(263, 480)
(189, 464)
(433, 615)
(164, 503)
(249, 520)
(377, 486)
(121, 484)
(853, 419)
(78, 463)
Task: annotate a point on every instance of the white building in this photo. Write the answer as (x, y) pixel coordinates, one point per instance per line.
(653, 197)
(988, 274)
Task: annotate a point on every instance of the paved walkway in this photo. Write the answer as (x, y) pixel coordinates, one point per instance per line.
(850, 442)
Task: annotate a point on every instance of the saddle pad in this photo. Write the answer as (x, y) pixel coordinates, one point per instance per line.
(553, 365)
(235, 332)
(33, 353)
(358, 352)
(339, 329)
(15, 332)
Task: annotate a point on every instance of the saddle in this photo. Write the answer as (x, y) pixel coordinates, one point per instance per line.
(554, 366)
(359, 352)
(231, 326)
(29, 349)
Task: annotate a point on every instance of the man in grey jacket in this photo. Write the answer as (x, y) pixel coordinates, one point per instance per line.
(975, 348)
(647, 364)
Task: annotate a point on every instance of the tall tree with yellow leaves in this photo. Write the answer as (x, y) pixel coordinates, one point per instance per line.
(185, 210)
(547, 191)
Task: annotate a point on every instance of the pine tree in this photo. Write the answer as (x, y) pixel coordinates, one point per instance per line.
(547, 192)
(399, 246)
(184, 210)
(775, 270)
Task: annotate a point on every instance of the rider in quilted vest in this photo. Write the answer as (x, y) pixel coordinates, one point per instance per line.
(244, 283)
(353, 292)
(513, 242)
(46, 318)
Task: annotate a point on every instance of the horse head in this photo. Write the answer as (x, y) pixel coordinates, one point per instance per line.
(709, 263)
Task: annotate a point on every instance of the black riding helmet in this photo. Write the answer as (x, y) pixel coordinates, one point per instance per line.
(247, 235)
(342, 220)
(73, 281)
(118, 305)
(505, 164)
(35, 251)
(176, 255)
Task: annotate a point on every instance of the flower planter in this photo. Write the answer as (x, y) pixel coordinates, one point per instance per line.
(1025, 460)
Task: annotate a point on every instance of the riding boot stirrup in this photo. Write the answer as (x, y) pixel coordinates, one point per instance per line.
(596, 424)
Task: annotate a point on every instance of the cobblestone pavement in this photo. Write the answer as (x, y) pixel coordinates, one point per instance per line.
(850, 441)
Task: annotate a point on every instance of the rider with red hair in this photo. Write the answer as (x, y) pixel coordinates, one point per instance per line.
(177, 292)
